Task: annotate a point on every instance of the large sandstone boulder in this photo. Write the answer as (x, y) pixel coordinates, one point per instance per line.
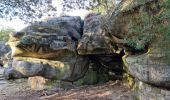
(59, 25)
(152, 67)
(56, 37)
(67, 69)
(139, 26)
(95, 39)
(48, 49)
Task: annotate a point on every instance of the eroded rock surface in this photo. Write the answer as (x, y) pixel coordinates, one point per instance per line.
(144, 24)
(95, 39)
(54, 38)
(4, 49)
(54, 49)
(48, 49)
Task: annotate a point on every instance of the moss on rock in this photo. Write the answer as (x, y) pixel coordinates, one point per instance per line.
(93, 77)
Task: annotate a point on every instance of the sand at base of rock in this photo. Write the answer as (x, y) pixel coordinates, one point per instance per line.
(19, 90)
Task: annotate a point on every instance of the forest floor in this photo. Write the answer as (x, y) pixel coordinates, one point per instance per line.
(19, 90)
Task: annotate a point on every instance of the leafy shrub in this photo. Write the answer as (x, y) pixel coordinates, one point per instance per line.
(148, 24)
(4, 33)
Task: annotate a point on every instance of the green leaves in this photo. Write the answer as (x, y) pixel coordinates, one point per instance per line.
(140, 30)
(26, 10)
(4, 33)
(146, 26)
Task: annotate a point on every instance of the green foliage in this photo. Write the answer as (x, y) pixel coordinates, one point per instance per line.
(144, 27)
(99, 6)
(32, 10)
(104, 6)
(140, 30)
(164, 29)
(27, 10)
(4, 33)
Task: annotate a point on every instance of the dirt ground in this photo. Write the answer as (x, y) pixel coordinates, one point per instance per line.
(107, 91)
(19, 90)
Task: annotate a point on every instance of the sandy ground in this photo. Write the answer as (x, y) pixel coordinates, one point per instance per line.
(107, 91)
(16, 89)
(19, 90)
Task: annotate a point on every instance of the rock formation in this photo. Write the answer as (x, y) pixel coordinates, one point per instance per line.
(141, 27)
(95, 40)
(67, 49)
(4, 49)
(56, 49)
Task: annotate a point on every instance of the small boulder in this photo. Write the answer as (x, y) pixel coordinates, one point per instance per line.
(37, 82)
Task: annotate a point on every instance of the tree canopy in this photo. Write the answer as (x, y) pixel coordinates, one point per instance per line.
(31, 10)
(27, 10)
(102, 6)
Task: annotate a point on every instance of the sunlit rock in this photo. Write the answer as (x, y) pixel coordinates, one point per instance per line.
(67, 69)
(95, 39)
(37, 83)
(56, 37)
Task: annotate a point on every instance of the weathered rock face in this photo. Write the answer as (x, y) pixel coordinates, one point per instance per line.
(95, 40)
(11, 73)
(149, 71)
(151, 67)
(78, 69)
(21, 69)
(69, 69)
(48, 49)
(149, 92)
(28, 68)
(59, 25)
(4, 49)
(54, 38)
